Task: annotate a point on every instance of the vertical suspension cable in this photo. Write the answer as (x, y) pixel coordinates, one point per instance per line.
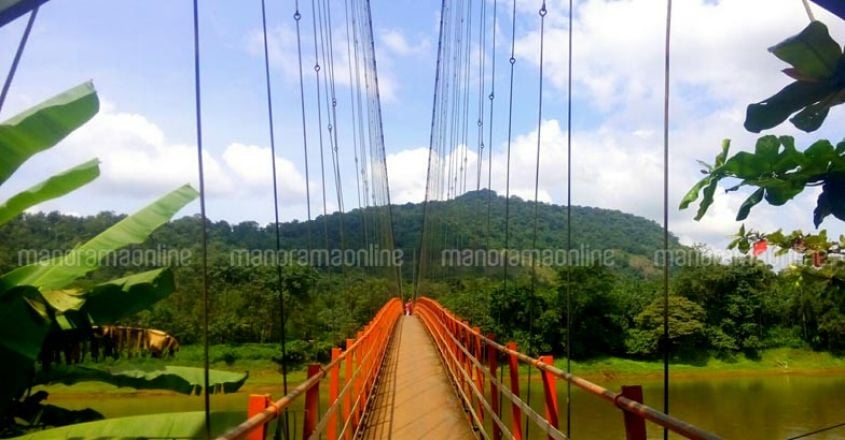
(667, 60)
(808, 10)
(465, 141)
(277, 226)
(512, 62)
(204, 241)
(424, 249)
(320, 128)
(297, 17)
(14, 68)
(482, 60)
(569, 223)
(492, 98)
(354, 121)
(382, 157)
(542, 13)
(333, 124)
(361, 133)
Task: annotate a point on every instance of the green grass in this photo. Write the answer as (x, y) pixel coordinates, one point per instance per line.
(772, 361)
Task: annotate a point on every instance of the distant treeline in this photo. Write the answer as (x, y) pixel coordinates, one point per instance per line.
(724, 308)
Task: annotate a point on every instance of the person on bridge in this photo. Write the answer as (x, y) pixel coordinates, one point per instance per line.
(409, 307)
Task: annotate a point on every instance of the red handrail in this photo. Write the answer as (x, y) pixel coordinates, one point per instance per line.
(348, 399)
(464, 358)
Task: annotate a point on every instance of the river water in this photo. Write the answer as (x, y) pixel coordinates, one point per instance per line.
(747, 408)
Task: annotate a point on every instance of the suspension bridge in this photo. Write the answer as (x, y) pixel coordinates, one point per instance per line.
(429, 374)
(417, 370)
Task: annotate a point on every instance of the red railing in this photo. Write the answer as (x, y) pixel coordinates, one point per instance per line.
(472, 362)
(352, 375)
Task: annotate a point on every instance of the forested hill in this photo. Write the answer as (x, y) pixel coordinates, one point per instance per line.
(462, 221)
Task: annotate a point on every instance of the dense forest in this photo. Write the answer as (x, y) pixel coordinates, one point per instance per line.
(723, 309)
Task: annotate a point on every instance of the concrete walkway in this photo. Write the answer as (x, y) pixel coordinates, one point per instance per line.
(415, 399)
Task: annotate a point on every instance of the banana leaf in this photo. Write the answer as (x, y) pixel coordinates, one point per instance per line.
(184, 380)
(168, 425)
(55, 186)
(60, 272)
(43, 126)
(116, 299)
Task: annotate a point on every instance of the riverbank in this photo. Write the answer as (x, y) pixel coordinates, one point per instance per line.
(770, 362)
(264, 373)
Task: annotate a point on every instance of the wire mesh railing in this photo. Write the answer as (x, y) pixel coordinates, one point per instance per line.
(352, 376)
(476, 363)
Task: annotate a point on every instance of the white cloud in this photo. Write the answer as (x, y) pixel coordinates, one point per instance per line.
(137, 159)
(718, 52)
(250, 167)
(283, 53)
(395, 41)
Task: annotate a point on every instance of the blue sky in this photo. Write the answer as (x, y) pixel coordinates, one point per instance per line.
(139, 55)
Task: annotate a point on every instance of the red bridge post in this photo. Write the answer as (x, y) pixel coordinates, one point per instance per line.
(479, 375)
(334, 388)
(550, 392)
(312, 400)
(256, 405)
(634, 424)
(493, 364)
(347, 396)
(513, 368)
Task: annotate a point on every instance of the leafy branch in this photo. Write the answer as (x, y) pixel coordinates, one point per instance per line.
(780, 172)
(818, 67)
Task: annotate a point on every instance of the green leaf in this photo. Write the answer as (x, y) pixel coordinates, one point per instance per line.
(745, 165)
(23, 321)
(44, 125)
(183, 425)
(60, 272)
(116, 299)
(792, 98)
(692, 194)
(780, 192)
(185, 380)
(23, 327)
(766, 148)
(55, 186)
(813, 53)
(706, 198)
(831, 200)
(749, 203)
(723, 155)
(812, 117)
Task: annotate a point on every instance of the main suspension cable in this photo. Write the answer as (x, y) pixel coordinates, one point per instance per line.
(15, 61)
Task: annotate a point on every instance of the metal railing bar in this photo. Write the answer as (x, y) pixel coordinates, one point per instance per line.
(541, 422)
(462, 394)
(671, 423)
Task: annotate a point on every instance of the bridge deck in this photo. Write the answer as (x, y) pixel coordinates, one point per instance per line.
(415, 399)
